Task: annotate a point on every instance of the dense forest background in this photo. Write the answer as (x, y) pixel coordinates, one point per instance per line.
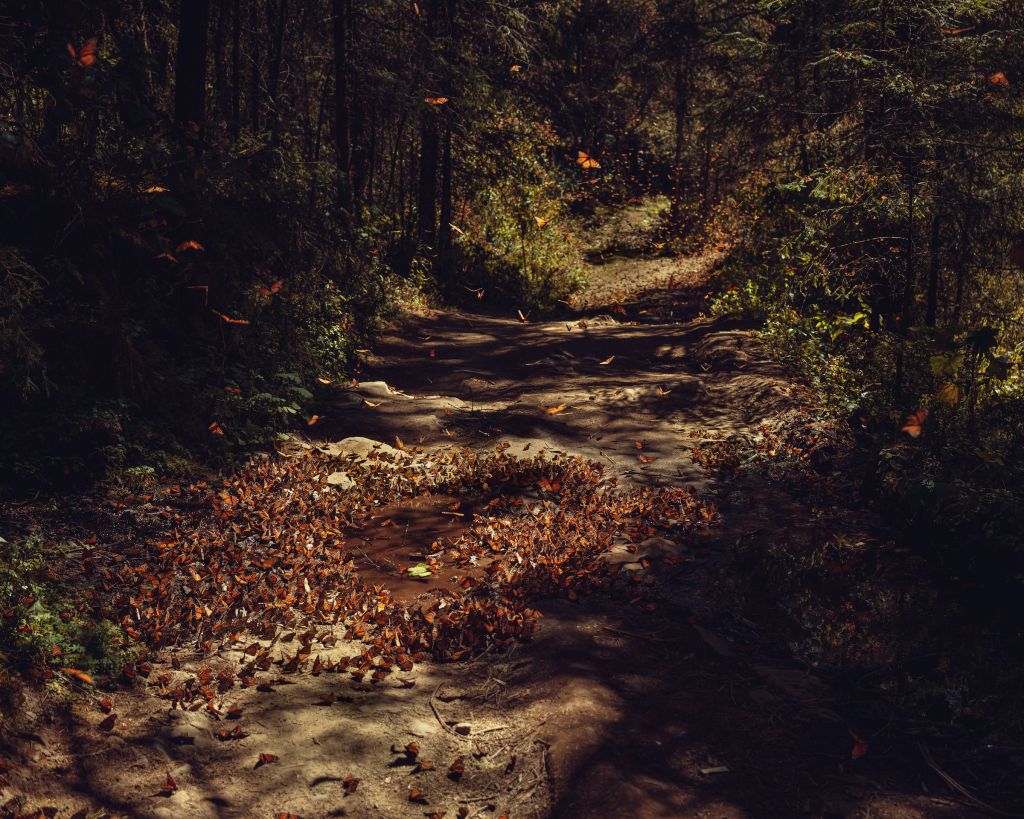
(208, 206)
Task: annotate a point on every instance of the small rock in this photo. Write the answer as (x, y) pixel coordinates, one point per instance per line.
(341, 480)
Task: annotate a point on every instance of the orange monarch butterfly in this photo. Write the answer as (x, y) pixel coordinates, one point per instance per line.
(914, 423)
(585, 161)
(436, 100)
(86, 55)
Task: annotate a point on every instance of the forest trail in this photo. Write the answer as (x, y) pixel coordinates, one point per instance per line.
(633, 714)
(610, 710)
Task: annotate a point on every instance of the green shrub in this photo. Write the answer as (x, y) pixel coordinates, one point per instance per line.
(45, 623)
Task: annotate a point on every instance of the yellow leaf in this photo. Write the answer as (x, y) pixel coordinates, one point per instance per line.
(608, 360)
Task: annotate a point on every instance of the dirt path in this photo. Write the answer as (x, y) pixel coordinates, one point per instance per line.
(611, 710)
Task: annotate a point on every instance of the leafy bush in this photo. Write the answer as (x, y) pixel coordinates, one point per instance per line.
(44, 625)
(517, 238)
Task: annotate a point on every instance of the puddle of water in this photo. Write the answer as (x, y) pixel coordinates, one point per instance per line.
(407, 532)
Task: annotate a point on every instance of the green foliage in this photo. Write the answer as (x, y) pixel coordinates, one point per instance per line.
(44, 624)
(517, 235)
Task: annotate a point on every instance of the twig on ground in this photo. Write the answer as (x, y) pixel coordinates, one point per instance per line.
(968, 797)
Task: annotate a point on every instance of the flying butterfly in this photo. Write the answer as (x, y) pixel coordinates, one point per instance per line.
(914, 423)
(86, 55)
(585, 161)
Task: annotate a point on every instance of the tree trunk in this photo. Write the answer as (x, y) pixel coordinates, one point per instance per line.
(361, 150)
(933, 271)
(255, 81)
(235, 120)
(426, 201)
(905, 321)
(444, 241)
(342, 137)
(220, 66)
(190, 64)
(274, 73)
(682, 102)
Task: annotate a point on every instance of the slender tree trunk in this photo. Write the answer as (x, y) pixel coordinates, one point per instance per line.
(909, 287)
(220, 66)
(934, 248)
(274, 73)
(360, 169)
(430, 143)
(342, 137)
(235, 120)
(255, 80)
(190, 64)
(682, 115)
(426, 202)
(444, 242)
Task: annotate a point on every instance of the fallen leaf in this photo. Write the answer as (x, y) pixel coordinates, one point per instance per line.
(107, 725)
